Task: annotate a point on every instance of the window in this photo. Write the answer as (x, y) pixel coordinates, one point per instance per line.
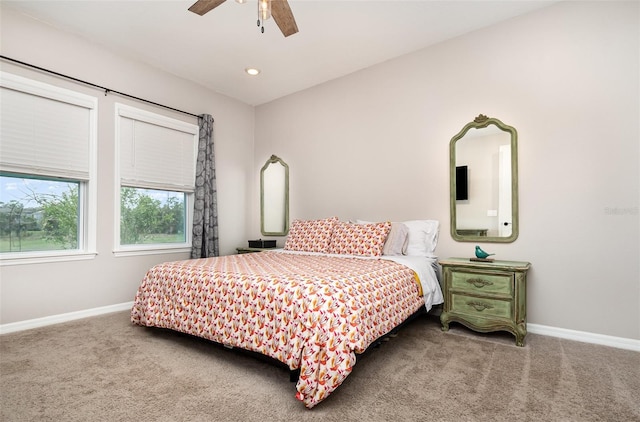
(38, 214)
(150, 216)
(47, 172)
(156, 173)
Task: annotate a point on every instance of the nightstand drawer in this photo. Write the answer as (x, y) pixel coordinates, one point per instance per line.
(481, 306)
(479, 282)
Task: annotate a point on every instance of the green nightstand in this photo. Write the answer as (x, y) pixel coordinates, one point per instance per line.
(252, 250)
(486, 296)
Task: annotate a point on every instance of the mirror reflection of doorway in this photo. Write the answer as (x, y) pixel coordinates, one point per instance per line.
(505, 224)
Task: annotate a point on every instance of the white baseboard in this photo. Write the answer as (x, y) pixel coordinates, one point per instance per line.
(57, 319)
(585, 337)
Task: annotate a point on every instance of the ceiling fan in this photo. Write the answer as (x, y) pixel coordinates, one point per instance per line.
(279, 9)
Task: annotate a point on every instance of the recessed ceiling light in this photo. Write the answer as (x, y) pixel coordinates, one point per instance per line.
(252, 71)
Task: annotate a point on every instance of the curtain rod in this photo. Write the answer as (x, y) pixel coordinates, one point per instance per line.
(106, 90)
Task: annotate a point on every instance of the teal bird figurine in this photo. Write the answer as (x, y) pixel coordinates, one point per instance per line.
(482, 254)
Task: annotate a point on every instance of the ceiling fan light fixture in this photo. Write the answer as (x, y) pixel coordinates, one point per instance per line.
(281, 13)
(241, 1)
(252, 71)
(264, 9)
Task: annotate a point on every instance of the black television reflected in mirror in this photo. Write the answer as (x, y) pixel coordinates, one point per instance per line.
(462, 183)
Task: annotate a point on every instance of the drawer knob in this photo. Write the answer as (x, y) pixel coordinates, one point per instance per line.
(479, 306)
(479, 283)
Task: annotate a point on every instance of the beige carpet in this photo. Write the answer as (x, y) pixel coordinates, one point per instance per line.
(105, 369)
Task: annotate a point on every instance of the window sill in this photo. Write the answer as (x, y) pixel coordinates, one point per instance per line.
(46, 257)
(151, 251)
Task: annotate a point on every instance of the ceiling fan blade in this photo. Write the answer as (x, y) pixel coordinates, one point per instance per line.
(203, 6)
(283, 16)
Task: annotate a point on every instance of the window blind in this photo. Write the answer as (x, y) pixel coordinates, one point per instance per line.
(44, 130)
(156, 152)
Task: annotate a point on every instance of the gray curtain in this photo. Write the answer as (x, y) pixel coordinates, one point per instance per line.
(205, 213)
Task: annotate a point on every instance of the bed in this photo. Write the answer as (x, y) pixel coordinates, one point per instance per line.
(314, 305)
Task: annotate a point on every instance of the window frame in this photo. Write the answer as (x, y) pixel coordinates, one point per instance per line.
(87, 204)
(126, 111)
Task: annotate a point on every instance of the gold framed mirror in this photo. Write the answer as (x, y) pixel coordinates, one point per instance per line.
(483, 174)
(274, 197)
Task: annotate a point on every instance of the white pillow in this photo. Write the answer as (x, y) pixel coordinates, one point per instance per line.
(397, 240)
(423, 237)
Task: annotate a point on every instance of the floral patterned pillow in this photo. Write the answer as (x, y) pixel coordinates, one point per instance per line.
(397, 240)
(359, 239)
(310, 235)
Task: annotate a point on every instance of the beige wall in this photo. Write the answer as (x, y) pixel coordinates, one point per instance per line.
(374, 145)
(41, 290)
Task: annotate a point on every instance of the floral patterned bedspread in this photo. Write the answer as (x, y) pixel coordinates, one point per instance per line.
(311, 312)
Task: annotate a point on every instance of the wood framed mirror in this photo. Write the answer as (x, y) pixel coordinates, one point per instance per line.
(274, 197)
(483, 174)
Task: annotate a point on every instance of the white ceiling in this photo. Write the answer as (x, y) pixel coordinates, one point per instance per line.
(336, 37)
